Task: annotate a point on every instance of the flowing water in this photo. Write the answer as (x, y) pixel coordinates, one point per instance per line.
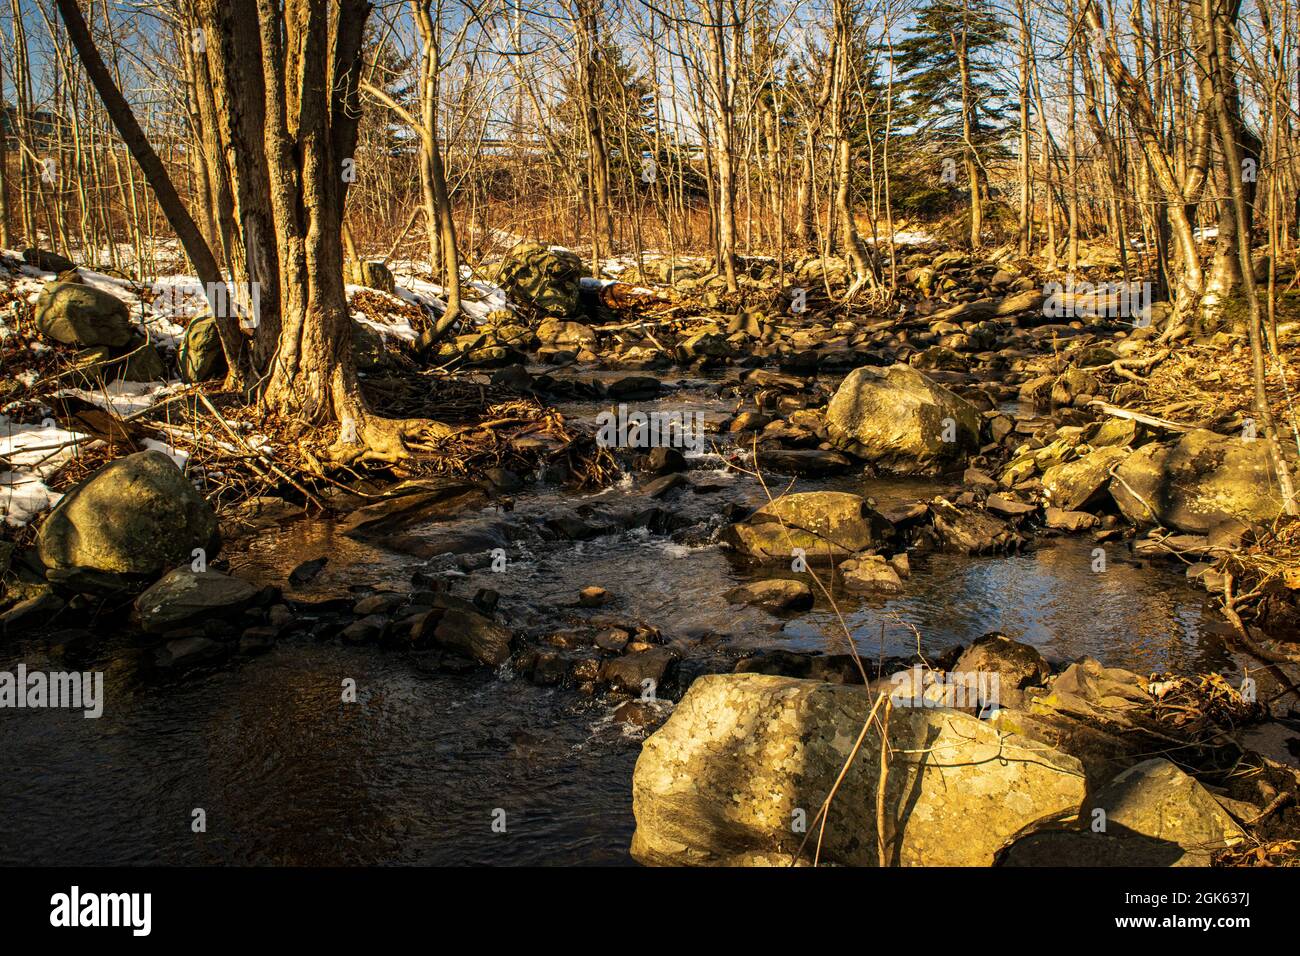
(486, 768)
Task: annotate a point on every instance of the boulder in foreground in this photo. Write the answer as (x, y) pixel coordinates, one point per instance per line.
(745, 757)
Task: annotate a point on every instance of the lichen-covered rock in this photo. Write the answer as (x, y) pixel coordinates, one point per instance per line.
(1073, 485)
(1155, 799)
(74, 313)
(541, 277)
(744, 757)
(566, 335)
(871, 573)
(1198, 482)
(136, 515)
(201, 357)
(901, 420)
(184, 596)
(827, 526)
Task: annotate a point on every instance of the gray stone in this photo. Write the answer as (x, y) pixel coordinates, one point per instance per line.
(1198, 482)
(901, 420)
(183, 597)
(1157, 800)
(74, 313)
(773, 595)
(827, 525)
(1073, 485)
(1017, 665)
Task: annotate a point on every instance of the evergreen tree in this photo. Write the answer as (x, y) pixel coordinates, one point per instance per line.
(950, 99)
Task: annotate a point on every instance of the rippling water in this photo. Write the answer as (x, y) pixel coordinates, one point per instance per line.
(415, 772)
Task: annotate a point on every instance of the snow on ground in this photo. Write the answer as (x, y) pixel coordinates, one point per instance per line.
(125, 398)
(478, 297)
(31, 453)
(41, 448)
(156, 322)
(23, 496)
(392, 325)
(177, 455)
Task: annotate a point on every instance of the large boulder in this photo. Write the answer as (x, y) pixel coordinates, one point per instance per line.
(74, 313)
(136, 515)
(827, 526)
(184, 596)
(201, 357)
(1200, 481)
(745, 758)
(1073, 485)
(1151, 814)
(901, 420)
(541, 277)
(566, 335)
(1157, 800)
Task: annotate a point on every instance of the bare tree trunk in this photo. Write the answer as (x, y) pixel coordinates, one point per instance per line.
(722, 91)
(4, 169)
(182, 223)
(1217, 19)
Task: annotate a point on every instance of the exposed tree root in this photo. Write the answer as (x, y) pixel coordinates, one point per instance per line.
(365, 437)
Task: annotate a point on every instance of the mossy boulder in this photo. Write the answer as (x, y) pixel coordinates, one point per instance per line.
(543, 278)
(142, 363)
(827, 526)
(201, 357)
(1200, 481)
(137, 515)
(74, 313)
(742, 754)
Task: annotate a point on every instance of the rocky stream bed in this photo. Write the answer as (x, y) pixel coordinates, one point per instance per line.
(509, 667)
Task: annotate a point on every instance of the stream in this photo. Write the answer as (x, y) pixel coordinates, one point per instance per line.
(423, 765)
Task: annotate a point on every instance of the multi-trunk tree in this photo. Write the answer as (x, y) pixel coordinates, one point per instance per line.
(286, 80)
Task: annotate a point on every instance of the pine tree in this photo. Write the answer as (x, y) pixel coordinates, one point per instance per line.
(950, 99)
